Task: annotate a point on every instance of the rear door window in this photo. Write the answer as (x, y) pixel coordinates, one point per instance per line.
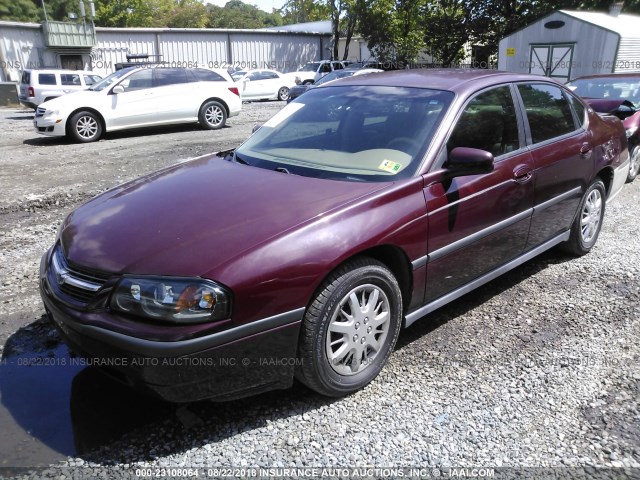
(47, 79)
(164, 77)
(548, 111)
(26, 77)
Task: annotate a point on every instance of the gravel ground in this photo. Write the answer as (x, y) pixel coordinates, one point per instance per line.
(536, 369)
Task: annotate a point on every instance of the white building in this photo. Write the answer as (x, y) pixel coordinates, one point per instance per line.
(80, 46)
(568, 44)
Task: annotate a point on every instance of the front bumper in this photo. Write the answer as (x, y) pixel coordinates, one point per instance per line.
(48, 125)
(233, 363)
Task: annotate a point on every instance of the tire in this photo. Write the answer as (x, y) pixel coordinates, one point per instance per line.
(588, 222)
(85, 127)
(212, 115)
(283, 93)
(635, 164)
(341, 347)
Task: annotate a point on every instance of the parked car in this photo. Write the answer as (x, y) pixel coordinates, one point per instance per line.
(297, 90)
(619, 95)
(313, 71)
(141, 97)
(265, 85)
(237, 75)
(345, 217)
(37, 86)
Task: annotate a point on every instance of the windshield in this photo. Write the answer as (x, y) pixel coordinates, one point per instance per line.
(309, 67)
(612, 88)
(355, 133)
(334, 76)
(110, 80)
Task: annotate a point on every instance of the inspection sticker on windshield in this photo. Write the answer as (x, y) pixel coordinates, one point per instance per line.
(389, 166)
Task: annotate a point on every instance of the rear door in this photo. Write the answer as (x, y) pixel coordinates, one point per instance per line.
(173, 96)
(479, 222)
(561, 149)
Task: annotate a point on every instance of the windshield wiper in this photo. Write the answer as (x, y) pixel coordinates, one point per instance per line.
(282, 170)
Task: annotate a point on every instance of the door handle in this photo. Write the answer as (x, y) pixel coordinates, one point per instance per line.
(522, 173)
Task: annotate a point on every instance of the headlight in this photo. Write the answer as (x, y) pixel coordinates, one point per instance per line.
(631, 131)
(170, 299)
(51, 113)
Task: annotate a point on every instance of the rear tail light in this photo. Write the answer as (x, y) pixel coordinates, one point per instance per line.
(234, 90)
(32, 92)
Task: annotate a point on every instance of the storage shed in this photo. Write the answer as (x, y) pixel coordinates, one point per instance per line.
(569, 44)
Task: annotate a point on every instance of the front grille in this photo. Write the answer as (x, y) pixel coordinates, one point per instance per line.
(73, 281)
(40, 112)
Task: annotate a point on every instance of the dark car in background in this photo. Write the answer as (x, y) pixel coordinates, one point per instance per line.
(297, 90)
(345, 217)
(619, 95)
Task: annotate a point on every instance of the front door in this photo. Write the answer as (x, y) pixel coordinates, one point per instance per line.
(479, 222)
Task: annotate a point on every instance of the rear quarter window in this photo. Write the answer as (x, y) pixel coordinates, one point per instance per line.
(203, 75)
(47, 79)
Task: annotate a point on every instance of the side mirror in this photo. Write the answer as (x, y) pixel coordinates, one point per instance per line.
(246, 79)
(469, 161)
(118, 89)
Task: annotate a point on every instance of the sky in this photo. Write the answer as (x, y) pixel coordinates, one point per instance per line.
(266, 5)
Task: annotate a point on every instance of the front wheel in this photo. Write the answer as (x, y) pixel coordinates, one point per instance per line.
(85, 127)
(588, 222)
(350, 328)
(212, 115)
(635, 164)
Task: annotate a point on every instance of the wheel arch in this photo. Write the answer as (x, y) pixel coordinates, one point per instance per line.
(391, 256)
(216, 99)
(85, 109)
(606, 175)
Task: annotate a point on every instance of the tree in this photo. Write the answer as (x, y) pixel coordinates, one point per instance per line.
(393, 29)
(19, 11)
(344, 18)
(236, 14)
(300, 11)
(188, 14)
(447, 29)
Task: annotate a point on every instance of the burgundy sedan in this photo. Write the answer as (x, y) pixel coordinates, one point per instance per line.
(356, 210)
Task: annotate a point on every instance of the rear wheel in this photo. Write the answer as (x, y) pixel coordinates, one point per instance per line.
(283, 93)
(587, 224)
(85, 127)
(212, 115)
(635, 164)
(350, 328)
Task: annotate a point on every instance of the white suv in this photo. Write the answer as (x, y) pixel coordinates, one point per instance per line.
(37, 86)
(313, 71)
(141, 97)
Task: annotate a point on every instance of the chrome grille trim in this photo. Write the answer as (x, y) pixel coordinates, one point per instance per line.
(74, 283)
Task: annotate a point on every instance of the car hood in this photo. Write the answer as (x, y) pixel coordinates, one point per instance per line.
(189, 219)
(80, 97)
(605, 105)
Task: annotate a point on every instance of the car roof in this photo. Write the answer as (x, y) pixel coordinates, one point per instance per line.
(456, 80)
(58, 70)
(609, 75)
